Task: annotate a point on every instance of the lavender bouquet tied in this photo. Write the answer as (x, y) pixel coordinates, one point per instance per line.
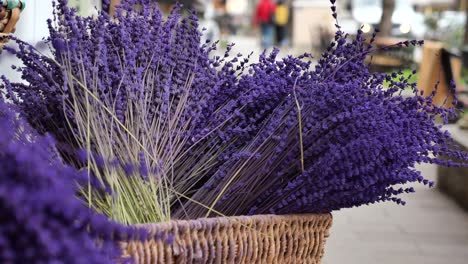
(166, 129)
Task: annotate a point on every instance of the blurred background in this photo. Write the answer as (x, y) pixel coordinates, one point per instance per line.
(433, 226)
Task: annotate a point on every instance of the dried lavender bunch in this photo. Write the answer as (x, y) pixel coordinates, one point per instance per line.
(145, 82)
(163, 87)
(41, 221)
(216, 136)
(339, 139)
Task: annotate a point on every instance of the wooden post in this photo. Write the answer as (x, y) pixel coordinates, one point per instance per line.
(432, 71)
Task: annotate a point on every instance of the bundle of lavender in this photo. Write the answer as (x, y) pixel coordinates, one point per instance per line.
(165, 129)
(41, 221)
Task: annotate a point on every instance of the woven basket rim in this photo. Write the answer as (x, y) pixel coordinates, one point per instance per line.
(241, 218)
(322, 222)
(297, 238)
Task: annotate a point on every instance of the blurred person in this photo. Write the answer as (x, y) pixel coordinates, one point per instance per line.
(281, 22)
(264, 16)
(31, 28)
(225, 21)
(9, 16)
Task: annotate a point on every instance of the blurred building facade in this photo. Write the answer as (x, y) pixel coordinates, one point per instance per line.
(311, 22)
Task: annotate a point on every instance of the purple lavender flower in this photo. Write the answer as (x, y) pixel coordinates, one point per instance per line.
(335, 137)
(278, 136)
(41, 221)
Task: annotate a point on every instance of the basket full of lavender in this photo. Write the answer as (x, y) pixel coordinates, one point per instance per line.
(220, 159)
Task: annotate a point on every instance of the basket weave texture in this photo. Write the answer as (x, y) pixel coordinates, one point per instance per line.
(241, 239)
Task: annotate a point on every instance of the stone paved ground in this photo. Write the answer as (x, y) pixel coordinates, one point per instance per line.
(430, 229)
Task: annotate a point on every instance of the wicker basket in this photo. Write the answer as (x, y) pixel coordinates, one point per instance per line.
(243, 239)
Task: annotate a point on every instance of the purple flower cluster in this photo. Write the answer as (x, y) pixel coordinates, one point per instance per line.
(148, 58)
(41, 221)
(278, 136)
(333, 137)
(119, 61)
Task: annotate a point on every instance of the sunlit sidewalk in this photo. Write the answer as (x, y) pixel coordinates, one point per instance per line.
(430, 229)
